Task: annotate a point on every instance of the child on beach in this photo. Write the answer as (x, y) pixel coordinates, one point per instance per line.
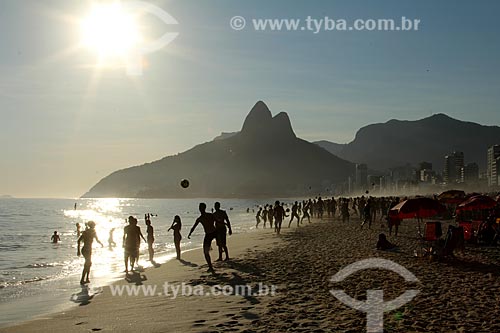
(176, 227)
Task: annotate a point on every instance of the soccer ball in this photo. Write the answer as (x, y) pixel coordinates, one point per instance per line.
(185, 183)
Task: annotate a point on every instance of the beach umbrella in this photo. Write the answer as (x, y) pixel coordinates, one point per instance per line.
(452, 196)
(417, 208)
(478, 202)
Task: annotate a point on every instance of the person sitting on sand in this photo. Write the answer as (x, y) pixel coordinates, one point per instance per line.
(55, 238)
(176, 227)
(87, 238)
(208, 222)
(384, 244)
(221, 221)
(131, 242)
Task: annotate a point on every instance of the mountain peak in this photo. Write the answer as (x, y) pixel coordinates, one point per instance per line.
(260, 123)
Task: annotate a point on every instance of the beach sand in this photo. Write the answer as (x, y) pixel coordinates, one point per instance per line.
(456, 295)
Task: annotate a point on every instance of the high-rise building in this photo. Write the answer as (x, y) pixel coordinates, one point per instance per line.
(361, 176)
(492, 172)
(424, 172)
(470, 173)
(453, 167)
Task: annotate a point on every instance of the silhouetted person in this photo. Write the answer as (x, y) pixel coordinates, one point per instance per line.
(279, 215)
(295, 207)
(270, 215)
(305, 211)
(221, 221)
(367, 214)
(111, 242)
(208, 222)
(131, 242)
(78, 230)
(257, 217)
(87, 238)
(176, 227)
(75, 205)
(384, 244)
(55, 238)
(150, 237)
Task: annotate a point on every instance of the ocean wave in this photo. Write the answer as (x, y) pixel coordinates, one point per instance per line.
(22, 282)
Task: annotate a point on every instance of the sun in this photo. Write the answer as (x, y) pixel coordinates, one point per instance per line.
(110, 31)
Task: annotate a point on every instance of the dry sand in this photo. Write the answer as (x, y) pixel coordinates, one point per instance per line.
(460, 295)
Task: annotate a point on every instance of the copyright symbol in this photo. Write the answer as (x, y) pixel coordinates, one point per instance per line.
(237, 23)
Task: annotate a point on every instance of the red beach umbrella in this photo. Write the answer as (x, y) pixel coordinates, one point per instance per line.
(452, 196)
(478, 202)
(417, 208)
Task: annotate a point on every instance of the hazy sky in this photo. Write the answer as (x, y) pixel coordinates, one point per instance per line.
(62, 128)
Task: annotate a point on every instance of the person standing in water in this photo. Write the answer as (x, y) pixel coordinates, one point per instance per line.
(131, 242)
(111, 242)
(87, 238)
(150, 237)
(221, 221)
(208, 222)
(55, 238)
(176, 227)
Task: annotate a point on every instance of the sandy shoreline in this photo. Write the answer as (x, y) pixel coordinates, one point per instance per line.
(155, 313)
(461, 295)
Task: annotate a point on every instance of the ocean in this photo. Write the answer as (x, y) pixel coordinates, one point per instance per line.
(38, 277)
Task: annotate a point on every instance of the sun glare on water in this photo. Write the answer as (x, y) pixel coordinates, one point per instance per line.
(110, 31)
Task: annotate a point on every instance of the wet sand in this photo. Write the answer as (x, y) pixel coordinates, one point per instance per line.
(456, 295)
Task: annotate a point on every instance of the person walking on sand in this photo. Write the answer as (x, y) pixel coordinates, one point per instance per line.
(176, 227)
(257, 217)
(87, 238)
(270, 215)
(264, 215)
(367, 214)
(221, 221)
(344, 210)
(295, 207)
(150, 237)
(279, 215)
(306, 210)
(131, 242)
(208, 222)
(55, 238)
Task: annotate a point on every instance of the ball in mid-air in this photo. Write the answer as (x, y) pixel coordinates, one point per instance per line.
(185, 183)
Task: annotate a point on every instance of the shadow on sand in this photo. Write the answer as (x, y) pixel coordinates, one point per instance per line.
(136, 278)
(83, 297)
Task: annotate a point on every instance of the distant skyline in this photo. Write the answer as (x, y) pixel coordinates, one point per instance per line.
(62, 129)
